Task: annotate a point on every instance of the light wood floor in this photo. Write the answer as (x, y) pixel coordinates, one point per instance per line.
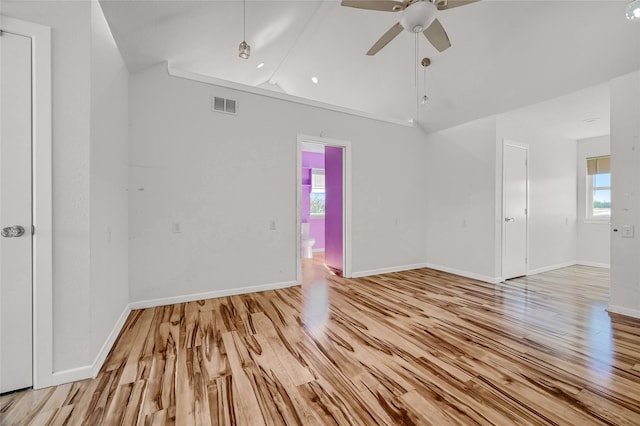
(419, 347)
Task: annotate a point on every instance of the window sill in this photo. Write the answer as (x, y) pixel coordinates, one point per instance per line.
(597, 222)
(316, 216)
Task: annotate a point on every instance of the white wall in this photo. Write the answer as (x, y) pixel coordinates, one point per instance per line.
(223, 178)
(109, 180)
(625, 197)
(593, 246)
(464, 191)
(552, 194)
(461, 194)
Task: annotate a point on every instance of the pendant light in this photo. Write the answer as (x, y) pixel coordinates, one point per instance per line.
(244, 49)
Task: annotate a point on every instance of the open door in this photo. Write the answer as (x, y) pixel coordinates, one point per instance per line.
(334, 208)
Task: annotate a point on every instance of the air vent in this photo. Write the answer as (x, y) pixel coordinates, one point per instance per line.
(228, 106)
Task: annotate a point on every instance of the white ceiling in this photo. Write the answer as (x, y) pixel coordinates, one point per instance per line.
(505, 55)
(578, 115)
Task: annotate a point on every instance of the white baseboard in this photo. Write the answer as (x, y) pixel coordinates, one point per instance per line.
(71, 375)
(152, 303)
(111, 339)
(594, 264)
(370, 272)
(566, 264)
(635, 313)
(550, 268)
(485, 278)
(91, 371)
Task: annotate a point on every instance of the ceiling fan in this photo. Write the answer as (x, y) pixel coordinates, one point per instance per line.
(418, 16)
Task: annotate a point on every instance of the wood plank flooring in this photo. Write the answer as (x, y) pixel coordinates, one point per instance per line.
(412, 348)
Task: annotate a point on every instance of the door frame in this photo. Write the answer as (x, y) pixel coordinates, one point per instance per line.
(346, 200)
(525, 146)
(42, 260)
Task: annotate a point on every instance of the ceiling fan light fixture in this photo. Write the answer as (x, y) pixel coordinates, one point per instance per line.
(418, 16)
(633, 10)
(245, 50)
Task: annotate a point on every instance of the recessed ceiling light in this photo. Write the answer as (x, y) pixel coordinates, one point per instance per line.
(314, 80)
(591, 120)
(260, 65)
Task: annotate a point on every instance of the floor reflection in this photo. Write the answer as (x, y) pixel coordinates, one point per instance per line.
(599, 340)
(315, 292)
(564, 316)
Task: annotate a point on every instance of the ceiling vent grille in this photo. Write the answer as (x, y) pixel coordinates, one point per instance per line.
(229, 106)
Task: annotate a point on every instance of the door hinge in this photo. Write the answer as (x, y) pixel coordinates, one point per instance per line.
(526, 211)
(33, 229)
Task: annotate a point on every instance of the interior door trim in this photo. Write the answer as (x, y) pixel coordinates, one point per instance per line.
(42, 196)
(346, 205)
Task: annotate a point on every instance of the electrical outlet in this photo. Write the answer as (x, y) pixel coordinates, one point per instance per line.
(627, 231)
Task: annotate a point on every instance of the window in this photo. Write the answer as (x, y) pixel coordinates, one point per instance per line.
(599, 188)
(317, 192)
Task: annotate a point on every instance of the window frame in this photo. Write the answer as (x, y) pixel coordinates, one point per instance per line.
(590, 190)
(317, 188)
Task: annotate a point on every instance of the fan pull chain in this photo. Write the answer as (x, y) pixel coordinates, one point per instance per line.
(416, 82)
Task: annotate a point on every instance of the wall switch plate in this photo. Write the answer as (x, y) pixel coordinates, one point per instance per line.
(627, 231)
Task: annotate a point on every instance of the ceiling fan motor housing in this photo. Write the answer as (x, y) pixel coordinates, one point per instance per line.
(418, 16)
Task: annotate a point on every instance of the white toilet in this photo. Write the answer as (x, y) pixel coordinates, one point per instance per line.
(306, 241)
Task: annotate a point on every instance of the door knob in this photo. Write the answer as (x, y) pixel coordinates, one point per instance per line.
(509, 219)
(13, 231)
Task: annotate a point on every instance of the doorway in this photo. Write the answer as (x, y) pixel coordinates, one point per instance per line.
(335, 177)
(515, 209)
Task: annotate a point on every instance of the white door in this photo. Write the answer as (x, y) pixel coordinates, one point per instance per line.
(15, 213)
(514, 207)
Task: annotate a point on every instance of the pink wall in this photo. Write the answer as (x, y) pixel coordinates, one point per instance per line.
(311, 160)
(333, 207)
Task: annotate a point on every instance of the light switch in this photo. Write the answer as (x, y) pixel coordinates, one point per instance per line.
(627, 231)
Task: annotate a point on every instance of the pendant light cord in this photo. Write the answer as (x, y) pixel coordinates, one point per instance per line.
(244, 20)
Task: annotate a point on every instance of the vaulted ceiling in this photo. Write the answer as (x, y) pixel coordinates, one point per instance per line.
(505, 54)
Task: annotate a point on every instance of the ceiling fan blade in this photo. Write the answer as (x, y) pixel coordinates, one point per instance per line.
(381, 5)
(385, 39)
(437, 36)
(450, 4)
